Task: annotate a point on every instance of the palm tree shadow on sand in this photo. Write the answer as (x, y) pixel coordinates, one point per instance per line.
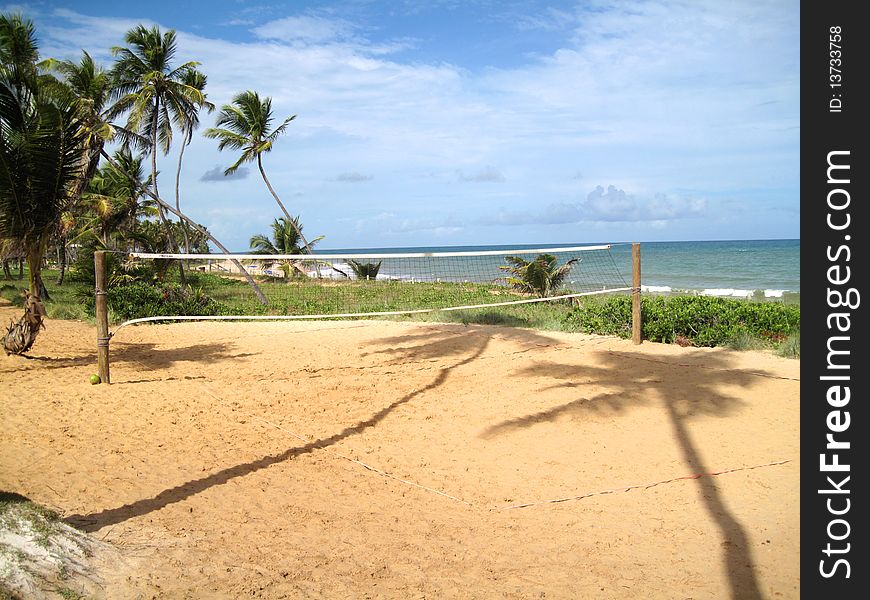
(634, 380)
(444, 342)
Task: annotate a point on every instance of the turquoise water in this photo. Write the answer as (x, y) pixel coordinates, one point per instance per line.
(736, 268)
(772, 266)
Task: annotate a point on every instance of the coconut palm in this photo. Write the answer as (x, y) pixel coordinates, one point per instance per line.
(19, 53)
(88, 87)
(111, 205)
(40, 156)
(193, 224)
(127, 190)
(286, 239)
(246, 125)
(365, 270)
(542, 276)
(152, 92)
(196, 79)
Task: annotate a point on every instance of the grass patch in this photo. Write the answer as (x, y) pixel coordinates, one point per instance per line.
(743, 340)
(791, 346)
(17, 514)
(70, 594)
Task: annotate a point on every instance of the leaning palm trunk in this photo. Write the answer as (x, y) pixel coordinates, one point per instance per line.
(286, 214)
(281, 205)
(21, 334)
(193, 225)
(178, 199)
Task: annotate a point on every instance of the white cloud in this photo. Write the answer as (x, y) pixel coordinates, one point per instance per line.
(667, 99)
(353, 177)
(217, 174)
(486, 175)
(306, 29)
(605, 206)
(392, 224)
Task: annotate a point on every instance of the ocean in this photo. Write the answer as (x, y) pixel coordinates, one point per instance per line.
(736, 268)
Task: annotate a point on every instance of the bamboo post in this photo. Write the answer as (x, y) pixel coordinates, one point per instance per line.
(636, 323)
(102, 315)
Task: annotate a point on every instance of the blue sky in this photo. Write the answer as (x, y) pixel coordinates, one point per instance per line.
(445, 122)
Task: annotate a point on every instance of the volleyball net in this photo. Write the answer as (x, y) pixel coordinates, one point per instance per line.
(358, 285)
(136, 288)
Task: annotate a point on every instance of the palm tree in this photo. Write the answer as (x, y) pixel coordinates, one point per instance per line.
(286, 239)
(89, 88)
(193, 224)
(19, 53)
(40, 156)
(541, 276)
(126, 190)
(365, 270)
(113, 202)
(155, 94)
(196, 79)
(245, 125)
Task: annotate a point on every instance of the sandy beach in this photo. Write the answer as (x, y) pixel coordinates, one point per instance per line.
(411, 460)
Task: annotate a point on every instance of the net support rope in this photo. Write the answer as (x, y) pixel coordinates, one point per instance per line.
(354, 315)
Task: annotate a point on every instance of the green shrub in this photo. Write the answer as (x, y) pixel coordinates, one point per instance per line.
(139, 299)
(695, 320)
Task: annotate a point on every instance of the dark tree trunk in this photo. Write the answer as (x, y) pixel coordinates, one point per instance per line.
(61, 259)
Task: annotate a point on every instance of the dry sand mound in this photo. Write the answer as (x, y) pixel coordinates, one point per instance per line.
(364, 460)
(42, 557)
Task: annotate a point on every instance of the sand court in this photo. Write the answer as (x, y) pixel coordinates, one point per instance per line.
(411, 460)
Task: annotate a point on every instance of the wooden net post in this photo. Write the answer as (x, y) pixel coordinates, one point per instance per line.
(102, 315)
(636, 322)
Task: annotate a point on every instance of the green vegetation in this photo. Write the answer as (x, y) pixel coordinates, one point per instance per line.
(57, 117)
(541, 276)
(245, 125)
(70, 594)
(365, 270)
(286, 238)
(692, 320)
(686, 320)
(791, 346)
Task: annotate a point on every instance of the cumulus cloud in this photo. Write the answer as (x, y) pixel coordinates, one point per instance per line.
(619, 90)
(612, 205)
(217, 174)
(489, 174)
(615, 205)
(353, 177)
